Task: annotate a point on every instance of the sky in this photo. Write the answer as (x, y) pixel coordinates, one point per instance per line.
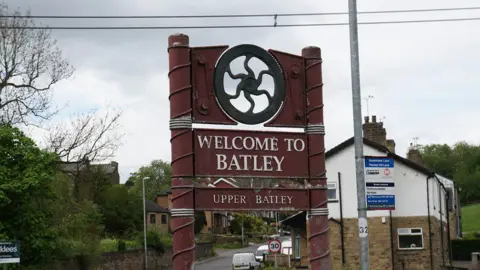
(422, 76)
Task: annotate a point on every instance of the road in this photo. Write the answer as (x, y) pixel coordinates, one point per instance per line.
(223, 260)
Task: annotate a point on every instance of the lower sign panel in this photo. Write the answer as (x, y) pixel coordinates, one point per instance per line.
(251, 199)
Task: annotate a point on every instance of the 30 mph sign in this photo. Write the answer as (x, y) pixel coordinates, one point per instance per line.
(274, 246)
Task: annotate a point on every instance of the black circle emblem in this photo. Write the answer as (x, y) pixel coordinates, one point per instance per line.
(249, 84)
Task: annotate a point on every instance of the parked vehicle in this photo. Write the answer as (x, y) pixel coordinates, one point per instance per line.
(261, 250)
(244, 261)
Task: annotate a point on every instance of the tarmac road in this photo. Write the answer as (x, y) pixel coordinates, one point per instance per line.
(223, 260)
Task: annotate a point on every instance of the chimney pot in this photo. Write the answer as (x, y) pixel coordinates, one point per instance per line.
(366, 119)
(374, 118)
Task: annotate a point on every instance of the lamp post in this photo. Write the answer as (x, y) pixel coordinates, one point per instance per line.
(144, 221)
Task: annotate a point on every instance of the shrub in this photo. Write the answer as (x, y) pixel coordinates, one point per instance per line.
(462, 249)
(121, 245)
(153, 241)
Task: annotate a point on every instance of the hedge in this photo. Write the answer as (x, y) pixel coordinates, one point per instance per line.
(462, 249)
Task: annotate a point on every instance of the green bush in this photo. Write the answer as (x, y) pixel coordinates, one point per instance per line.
(109, 245)
(153, 241)
(121, 245)
(462, 249)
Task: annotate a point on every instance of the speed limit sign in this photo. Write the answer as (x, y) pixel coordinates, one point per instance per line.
(274, 246)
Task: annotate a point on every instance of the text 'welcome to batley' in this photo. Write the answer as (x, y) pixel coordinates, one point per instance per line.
(220, 152)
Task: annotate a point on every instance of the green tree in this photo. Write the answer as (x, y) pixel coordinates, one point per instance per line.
(122, 211)
(78, 224)
(159, 173)
(26, 197)
(461, 162)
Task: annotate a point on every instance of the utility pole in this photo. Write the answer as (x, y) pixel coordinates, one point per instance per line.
(358, 136)
(145, 222)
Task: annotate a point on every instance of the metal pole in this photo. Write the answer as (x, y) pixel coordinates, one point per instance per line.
(144, 222)
(358, 136)
(276, 265)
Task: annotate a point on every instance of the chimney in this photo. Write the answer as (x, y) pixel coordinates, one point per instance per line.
(391, 145)
(414, 155)
(374, 131)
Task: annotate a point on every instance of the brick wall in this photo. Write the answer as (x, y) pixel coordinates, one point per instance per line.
(440, 255)
(379, 244)
(162, 200)
(411, 259)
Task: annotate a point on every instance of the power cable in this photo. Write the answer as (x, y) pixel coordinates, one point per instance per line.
(236, 15)
(232, 26)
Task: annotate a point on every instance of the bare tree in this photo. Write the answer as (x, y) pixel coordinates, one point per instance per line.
(30, 65)
(88, 136)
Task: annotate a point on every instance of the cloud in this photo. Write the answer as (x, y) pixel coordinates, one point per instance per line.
(422, 76)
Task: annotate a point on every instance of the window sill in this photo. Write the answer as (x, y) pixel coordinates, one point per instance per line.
(411, 249)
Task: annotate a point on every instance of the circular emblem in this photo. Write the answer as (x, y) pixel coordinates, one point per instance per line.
(249, 84)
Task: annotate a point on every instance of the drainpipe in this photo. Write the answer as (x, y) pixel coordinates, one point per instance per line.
(441, 220)
(391, 241)
(429, 222)
(341, 217)
(449, 243)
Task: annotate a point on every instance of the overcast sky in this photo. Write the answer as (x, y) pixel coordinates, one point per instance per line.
(424, 77)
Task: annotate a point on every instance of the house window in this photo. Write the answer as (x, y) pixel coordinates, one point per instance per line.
(164, 219)
(297, 246)
(332, 191)
(152, 218)
(410, 238)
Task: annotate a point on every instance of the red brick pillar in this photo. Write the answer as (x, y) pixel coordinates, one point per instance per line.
(182, 211)
(318, 235)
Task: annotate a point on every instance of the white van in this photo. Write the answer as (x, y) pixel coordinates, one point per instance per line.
(244, 261)
(260, 251)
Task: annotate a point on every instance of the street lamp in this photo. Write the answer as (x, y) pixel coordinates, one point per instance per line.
(144, 221)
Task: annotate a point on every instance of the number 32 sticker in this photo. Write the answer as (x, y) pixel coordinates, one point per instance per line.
(362, 228)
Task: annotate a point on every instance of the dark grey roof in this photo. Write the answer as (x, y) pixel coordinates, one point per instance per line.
(152, 207)
(72, 167)
(165, 192)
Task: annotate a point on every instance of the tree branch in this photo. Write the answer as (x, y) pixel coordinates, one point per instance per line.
(30, 65)
(86, 137)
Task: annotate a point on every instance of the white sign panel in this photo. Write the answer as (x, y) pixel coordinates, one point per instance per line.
(380, 186)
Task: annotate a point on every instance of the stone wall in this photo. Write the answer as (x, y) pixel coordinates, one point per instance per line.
(133, 260)
(379, 245)
(411, 259)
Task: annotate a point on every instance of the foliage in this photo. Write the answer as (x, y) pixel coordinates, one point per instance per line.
(122, 211)
(31, 64)
(462, 249)
(154, 240)
(115, 244)
(90, 184)
(200, 221)
(471, 218)
(159, 173)
(234, 245)
(250, 224)
(26, 198)
(460, 163)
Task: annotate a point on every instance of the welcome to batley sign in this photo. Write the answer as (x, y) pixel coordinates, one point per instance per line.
(228, 153)
(198, 94)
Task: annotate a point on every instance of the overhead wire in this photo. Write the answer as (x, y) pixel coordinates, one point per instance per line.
(235, 15)
(234, 26)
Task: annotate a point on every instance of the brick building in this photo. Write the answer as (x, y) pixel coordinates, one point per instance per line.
(158, 218)
(416, 235)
